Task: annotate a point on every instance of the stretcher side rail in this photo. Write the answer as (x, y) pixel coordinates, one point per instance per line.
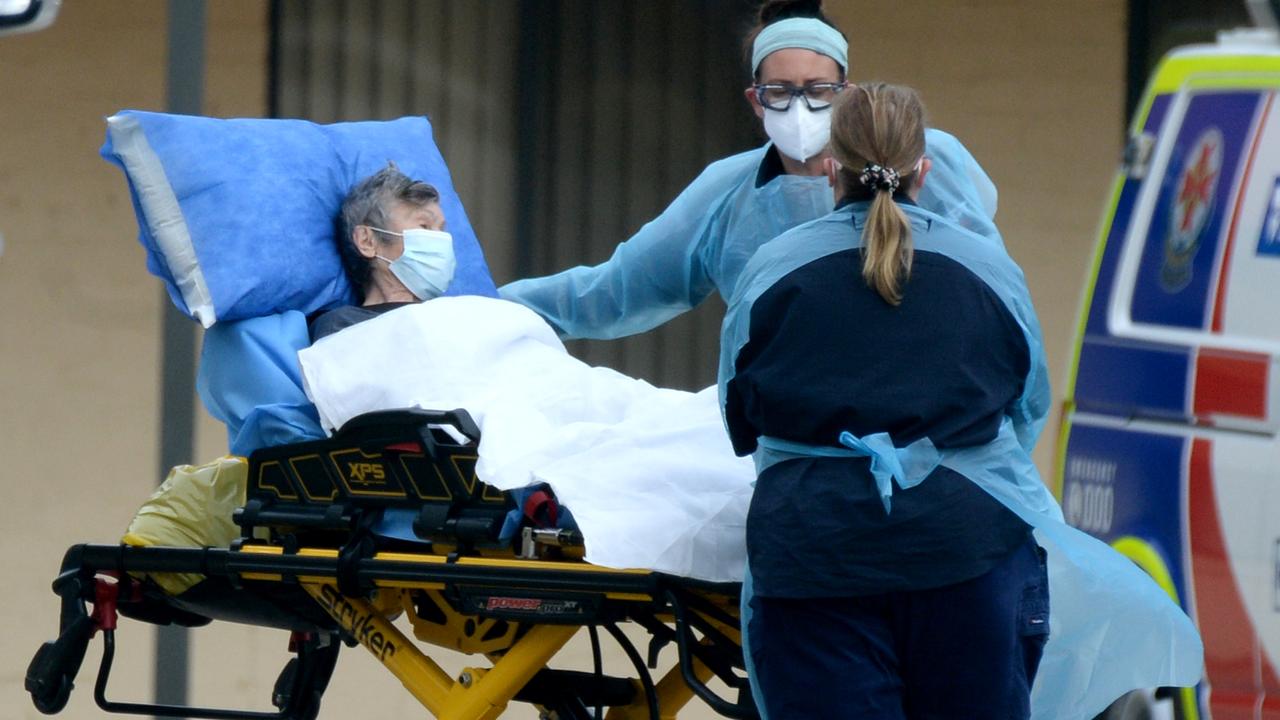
(382, 569)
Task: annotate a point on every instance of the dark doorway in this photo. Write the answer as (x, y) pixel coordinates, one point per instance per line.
(1158, 26)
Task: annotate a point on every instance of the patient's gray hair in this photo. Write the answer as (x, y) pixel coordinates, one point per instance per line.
(369, 203)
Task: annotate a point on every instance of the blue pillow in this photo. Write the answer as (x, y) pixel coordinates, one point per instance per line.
(238, 216)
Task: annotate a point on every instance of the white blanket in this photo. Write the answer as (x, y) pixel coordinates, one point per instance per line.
(648, 472)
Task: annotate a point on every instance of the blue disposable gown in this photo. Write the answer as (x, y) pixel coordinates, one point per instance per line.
(701, 242)
(1112, 628)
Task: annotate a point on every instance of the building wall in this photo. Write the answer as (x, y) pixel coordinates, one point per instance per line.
(1034, 88)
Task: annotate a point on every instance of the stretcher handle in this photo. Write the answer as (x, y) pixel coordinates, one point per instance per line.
(684, 640)
(418, 418)
(295, 709)
(157, 710)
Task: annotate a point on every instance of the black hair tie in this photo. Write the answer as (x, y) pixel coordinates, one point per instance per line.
(878, 177)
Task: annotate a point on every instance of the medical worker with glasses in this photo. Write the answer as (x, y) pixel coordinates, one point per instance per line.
(699, 244)
(884, 367)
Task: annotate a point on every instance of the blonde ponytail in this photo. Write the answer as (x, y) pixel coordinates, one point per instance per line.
(886, 248)
(877, 136)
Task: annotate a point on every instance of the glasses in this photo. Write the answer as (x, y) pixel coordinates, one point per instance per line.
(817, 96)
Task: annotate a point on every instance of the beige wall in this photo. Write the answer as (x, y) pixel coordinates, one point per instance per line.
(79, 352)
(79, 317)
(1033, 87)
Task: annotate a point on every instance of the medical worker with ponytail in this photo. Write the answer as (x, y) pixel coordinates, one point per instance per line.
(884, 366)
(699, 244)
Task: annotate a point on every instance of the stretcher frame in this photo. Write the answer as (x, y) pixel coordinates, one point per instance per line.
(483, 599)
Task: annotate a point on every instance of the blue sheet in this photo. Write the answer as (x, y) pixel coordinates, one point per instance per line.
(250, 380)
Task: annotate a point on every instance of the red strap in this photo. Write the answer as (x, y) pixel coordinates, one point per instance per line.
(537, 502)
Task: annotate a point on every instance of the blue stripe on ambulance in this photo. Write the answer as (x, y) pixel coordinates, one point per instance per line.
(1269, 236)
(1134, 380)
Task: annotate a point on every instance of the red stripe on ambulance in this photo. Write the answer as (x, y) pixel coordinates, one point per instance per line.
(1220, 297)
(1232, 656)
(1229, 382)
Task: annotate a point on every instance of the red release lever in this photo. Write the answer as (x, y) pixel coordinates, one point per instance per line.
(297, 638)
(106, 594)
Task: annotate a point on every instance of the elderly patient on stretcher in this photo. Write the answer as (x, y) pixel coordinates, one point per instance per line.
(648, 472)
(393, 246)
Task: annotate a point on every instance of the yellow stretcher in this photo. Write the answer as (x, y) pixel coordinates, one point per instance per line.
(311, 561)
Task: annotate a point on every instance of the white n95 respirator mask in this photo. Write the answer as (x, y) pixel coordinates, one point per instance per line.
(426, 266)
(798, 132)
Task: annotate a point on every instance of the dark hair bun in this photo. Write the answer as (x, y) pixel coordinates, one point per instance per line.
(774, 10)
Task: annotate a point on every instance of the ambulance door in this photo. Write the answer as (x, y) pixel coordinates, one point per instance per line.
(1238, 388)
(1198, 283)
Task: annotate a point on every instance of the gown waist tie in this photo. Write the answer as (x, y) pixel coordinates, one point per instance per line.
(909, 465)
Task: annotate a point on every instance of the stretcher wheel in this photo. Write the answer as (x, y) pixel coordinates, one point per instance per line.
(50, 688)
(302, 682)
(1146, 704)
(282, 693)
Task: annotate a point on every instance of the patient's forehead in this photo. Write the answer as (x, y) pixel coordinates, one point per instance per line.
(406, 215)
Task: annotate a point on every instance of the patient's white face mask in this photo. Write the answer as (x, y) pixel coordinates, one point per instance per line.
(427, 264)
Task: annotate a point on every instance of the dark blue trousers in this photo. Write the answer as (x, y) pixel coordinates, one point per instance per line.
(967, 651)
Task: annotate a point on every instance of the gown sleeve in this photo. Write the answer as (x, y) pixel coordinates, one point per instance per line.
(957, 188)
(659, 273)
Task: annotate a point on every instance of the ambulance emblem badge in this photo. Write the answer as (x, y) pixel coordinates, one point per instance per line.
(1193, 199)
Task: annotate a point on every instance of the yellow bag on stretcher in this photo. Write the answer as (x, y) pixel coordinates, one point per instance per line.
(192, 508)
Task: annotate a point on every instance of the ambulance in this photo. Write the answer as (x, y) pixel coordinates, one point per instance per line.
(20, 16)
(1169, 448)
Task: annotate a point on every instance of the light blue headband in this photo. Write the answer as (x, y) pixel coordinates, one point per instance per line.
(804, 33)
